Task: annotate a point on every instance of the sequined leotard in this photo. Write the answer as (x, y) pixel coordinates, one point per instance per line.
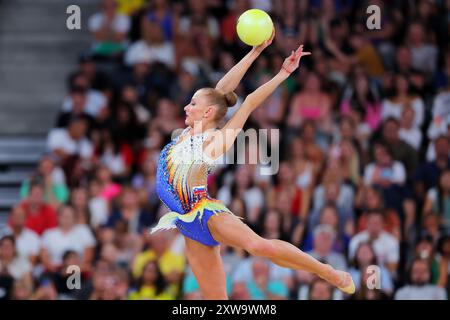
(181, 185)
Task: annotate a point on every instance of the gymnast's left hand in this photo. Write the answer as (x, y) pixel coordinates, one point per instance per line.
(266, 43)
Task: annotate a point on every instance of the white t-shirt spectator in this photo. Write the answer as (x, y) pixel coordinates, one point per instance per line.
(386, 247)
(412, 136)
(391, 109)
(344, 200)
(427, 292)
(95, 102)
(396, 173)
(142, 52)
(57, 243)
(98, 207)
(28, 242)
(120, 23)
(59, 138)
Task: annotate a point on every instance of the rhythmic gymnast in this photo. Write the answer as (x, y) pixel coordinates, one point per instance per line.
(182, 172)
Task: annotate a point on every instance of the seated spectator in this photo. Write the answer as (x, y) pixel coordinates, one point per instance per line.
(339, 196)
(145, 183)
(28, 243)
(386, 246)
(424, 54)
(298, 198)
(117, 156)
(371, 198)
(427, 174)
(408, 132)
(151, 285)
(329, 216)
(171, 263)
(67, 236)
(39, 216)
(243, 185)
(324, 237)
(293, 227)
(425, 249)
(311, 103)
(128, 215)
(108, 189)
(385, 171)
(305, 171)
(419, 286)
(401, 99)
(161, 14)
(443, 256)
(78, 108)
(151, 48)
(401, 151)
(79, 200)
(130, 96)
(438, 200)
(83, 98)
(18, 267)
(72, 146)
(259, 285)
(109, 29)
(53, 177)
(320, 290)
(365, 292)
(98, 205)
(365, 257)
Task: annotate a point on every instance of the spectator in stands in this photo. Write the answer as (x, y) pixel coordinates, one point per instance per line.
(67, 236)
(409, 133)
(73, 147)
(365, 257)
(109, 29)
(386, 246)
(12, 264)
(320, 290)
(419, 286)
(324, 237)
(39, 216)
(428, 173)
(438, 200)
(28, 242)
(53, 178)
(128, 215)
(424, 54)
(259, 285)
(152, 285)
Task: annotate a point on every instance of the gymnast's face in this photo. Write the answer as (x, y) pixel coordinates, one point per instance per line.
(198, 110)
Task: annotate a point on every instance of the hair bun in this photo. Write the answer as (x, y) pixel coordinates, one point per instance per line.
(231, 99)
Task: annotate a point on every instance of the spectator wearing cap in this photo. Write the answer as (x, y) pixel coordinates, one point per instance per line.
(28, 242)
(53, 179)
(385, 245)
(39, 216)
(109, 29)
(419, 286)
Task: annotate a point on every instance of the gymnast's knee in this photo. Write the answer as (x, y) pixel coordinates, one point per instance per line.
(261, 248)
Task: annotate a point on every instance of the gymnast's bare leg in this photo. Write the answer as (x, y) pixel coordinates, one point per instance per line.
(231, 231)
(206, 264)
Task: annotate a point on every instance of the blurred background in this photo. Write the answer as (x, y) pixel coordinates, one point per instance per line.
(364, 177)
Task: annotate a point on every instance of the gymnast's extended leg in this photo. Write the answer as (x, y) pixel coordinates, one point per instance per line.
(229, 230)
(206, 264)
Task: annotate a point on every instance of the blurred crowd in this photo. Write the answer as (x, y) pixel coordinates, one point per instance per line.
(364, 175)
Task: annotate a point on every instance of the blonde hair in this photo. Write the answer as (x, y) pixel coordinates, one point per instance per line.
(221, 101)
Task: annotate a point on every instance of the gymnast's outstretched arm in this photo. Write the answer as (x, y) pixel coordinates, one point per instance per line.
(223, 139)
(233, 77)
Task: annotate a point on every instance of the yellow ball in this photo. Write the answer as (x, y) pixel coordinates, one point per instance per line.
(254, 27)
